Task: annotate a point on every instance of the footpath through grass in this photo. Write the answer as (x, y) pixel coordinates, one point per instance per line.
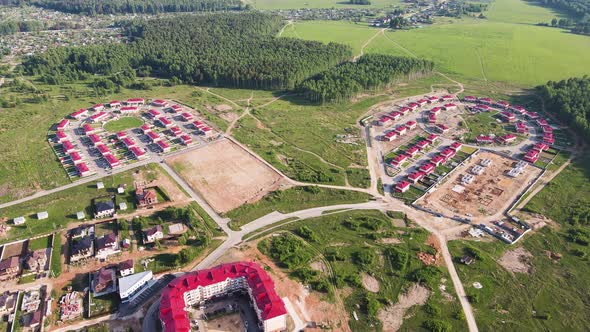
(293, 199)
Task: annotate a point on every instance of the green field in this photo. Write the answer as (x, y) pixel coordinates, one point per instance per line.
(123, 123)
(296, 4)
(506, 47)
(355, 247)
(293, 199)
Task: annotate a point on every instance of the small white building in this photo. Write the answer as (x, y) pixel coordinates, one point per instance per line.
(122, 206)
(19, 220)
(42, 215)
(99, 185)
(485, 162)
(134, 284)
(80, 215)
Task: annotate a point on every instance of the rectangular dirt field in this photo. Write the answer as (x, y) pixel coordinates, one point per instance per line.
(226, 175)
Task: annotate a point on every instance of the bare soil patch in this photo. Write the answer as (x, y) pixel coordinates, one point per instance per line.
(227, 323)
(223, 108)
(516, 260)
(318, 266)
(13, 249)
(370, 283)
(390, 240)
(163, 182)
(392, 316)
(226, 175)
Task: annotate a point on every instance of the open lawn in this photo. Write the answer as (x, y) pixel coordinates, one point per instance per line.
(123, 123)
(293, 199)
(363, 243)
(506, 47)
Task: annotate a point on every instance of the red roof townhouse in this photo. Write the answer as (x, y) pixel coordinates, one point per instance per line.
(447, 98)
(88, 129)
(165, 122)
(176, 131)
(79, 114)
(186, 116)
(384, 120)
(518, 109)
(411, 124)
(432, 99)
(68, 146)
(135, 101)
(129, 142)
(96, 117)
(416, 176)
(175, 108)
(63, 124)
(432, 138)
(521, 127)
(531, 156)
(137, 152)
(98, 107)
(470, 99)
(484, 139)
(437, 160)
(412, 151)
(448, 153)
(541, 147)
(507, 139)
(159, 103)
(508, 116)
(115, 104)
(483, 108)
(198, 124)
(435, 110)
(547, 130)
(485, 100)
(95, 139)
(61, 136)
(186, 140)
(207, 131)
(398, 160)
(450, 106)
(153, 113)
(76, 158)
(456, 146)
(549, 140)
(128, 109)
(402, 186)
(532, 115)
(104, 150)
(164, 146)
(112, 160)
(542, 122)
(401, 130)
(395, 115)
(121, 135)
(153, 136)
(423, 144)
(82, 169)
(502, 104)
(196, 287)
(442, 128)
(145, 128)
(431, 118)
(405, 110)
(427, 168)
(390, 136)
(413, 106)
(422, 101)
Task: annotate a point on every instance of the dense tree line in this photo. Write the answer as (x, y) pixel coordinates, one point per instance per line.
(372, 71)
(570, 101)
(12, 27)
(359, 2)
(579, 9)
(98, 7)
(225, 49)
(575, 7)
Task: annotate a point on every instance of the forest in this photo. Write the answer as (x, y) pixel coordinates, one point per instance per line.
(570, 100)
(107, 7)
(580, 9)
(369, 72)
(12, 27)
(223, 49)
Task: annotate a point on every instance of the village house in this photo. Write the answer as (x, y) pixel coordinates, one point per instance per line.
(432, 99)
(398, 160)
(518, 109)
(186, 140)
(413, 106)
(450, 106)
(107, 245)
(405, 110)
(135, 101)
(508, 116)
(422, 101)
(75, 157)
(126, 268)
(390, 136)
(115, 104)
(97, 107)
(431, 118)
(99, 116)
(68, 147)
(153, 113)
(81, 249)
(186, 116)
(104, 281)
(447, 98)
(437, 160)
(145, 128)
(485, 100)
(198, 124)
(137, 152)
(165, 147)
(448, 153)
(411, 124)
(521, 127)
(427, 168)
(502, 104)
(104, 209)
(61, 136)
(401, 130)
(435, 110)
(383, 121)
(531, 156)
(104, 150)
(146, 197)
(88, 129)
(153, 234)
(153, 136)
(164, 122)
(77, 115)
(395, 115)
(112, 161)
(402, 186)
(95, 139)
(63, 124)
(175, 108)
(416, 176)
(128, 110)
(432, 138)
(207, 131)
(507, 139)
(36, 259)
(129, 142)
(159, 103)
(176, 131)
(484, 139)
(82, 169)
(442, 128)
(456, 146)
(9, 268)
(423, 144)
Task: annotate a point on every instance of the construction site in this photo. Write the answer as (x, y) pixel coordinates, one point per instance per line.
(483, 187)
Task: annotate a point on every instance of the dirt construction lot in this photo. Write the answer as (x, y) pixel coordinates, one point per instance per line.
(488, 194)
(226, 175)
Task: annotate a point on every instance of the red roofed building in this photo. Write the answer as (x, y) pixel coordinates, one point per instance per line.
(128, 142)
(104, 150)
(402, 186)
(153, 113)
(518, 109)
(484, 108)
(542, 122)
(550, 140)
(412, 151)
(63, 124)
(206, 131)
(128, 109)
(437, 160)
(531, 156)
(164, 146)
(411, 124)
(137, 152)
(521, 128)
(121, 135)
(398, 160)
(159, 103)
(532, 115)
(112, 160)
(83, 169)
(447, 98)
(508, 116)
(486, 100)
(98, 107)
(165, 122)
(431, 118)
(186, 140)
(448, 153)
(422, 101)
(401, 130)
(470, 99)
(99, 116)
(135, 101)
(442, 128)
(88, 129)
(390, 136)
(175, 108)
(79, 114)
(502, 104)
(95, 139)
(153, 136)
(76, 158)
(456, 146)
(384, 120)
(423, 144)
(450, 106)
(413, 106)
(186, 116)
(432, 138)
(176, 131)
(507, 139)
(395, 115)
(541, 147)
(199, 124)
(145, 128)
(115, 104)
(547, 130)
(196, 287)
(484, 139)
(416, 176)
(432, 99)
(68, 146)
(427, 168)
(405, 110)
(435, 110)
(61, 136)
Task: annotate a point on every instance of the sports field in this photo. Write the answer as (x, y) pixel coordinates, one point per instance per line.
(507, 46)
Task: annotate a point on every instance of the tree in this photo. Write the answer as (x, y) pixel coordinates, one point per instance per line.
(554, 22)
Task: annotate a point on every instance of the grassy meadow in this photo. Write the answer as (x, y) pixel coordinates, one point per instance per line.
(123, 123)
